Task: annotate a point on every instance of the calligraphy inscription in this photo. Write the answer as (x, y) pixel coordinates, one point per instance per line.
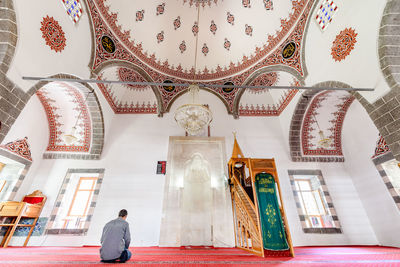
(288, 50)
(227, 89)
(168, 88)
(108, 44)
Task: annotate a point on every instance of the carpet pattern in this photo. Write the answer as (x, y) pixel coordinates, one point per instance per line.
(201, 256)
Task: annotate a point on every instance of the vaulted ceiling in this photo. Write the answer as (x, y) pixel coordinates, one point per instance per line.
(248, 42)
(235, 46)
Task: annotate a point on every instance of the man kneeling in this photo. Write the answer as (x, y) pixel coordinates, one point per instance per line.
(115, 240)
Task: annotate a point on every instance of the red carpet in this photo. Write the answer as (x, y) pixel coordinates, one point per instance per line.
(201, 256)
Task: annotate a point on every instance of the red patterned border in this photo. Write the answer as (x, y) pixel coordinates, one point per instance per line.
(381, 147)
(126, 109)
(262, 111)
(299, 7)
(101, 29)
(19, 147)
(337, 126)
(52, 117)
(126, 75)
(268, 111)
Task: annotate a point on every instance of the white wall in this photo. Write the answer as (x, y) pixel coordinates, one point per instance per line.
(361, 67)
(34, 58)
(360, 136)
(135, 143)
(32, 123)
(341, 189)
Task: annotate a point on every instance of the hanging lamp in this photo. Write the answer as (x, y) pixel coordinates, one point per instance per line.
(70, 138)
(324, 142)
(193, 117)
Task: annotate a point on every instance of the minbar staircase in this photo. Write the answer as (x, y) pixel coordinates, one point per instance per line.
(248, 234)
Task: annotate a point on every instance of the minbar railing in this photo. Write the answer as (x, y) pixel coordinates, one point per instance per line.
(248, 232)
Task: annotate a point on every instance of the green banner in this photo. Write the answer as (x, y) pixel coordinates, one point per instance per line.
(273, 232)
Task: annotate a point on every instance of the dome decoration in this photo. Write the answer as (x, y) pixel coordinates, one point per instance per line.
(160, 9)
(246, 3)
(182, 46)
(268, 4)
(284, 25)
(53, 34)
(124, 99)
(177, 23)
(140, 15)
(108, 44)
(326, 112)
(289, 50)
(205, 49)
(203, 3)
(227, 44)
(129, 75)
(242, 56)
(160, 37)
(266, 79)
(248, 30)
(60, 122)
(213, 27)
(228, 89)
(266, 103)
(230, 18)
(343, 44)
(195, 28)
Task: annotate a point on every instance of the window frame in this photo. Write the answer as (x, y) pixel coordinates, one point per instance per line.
(379, 161)
(2, 186)
(57, 215)
(322, 202)
(25, 168)
(325, 199)
(91, 190)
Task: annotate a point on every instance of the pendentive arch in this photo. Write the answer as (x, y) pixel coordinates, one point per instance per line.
(94, 73)
(385, 112)
(119, 63)
(161, 109)
(97, 121)
(205, 88)
(12, 98)
(257, 73)
(280, 67)
(295, 133)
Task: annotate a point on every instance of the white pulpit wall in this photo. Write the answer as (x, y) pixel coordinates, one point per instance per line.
(197, 208)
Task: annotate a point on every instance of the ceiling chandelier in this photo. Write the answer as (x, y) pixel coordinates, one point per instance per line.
(193, 117)
(323, 142)
(70, 139)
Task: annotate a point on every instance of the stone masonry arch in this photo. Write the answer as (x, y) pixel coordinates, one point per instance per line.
(385, 112)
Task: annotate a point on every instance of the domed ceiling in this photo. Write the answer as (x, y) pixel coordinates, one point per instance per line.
(227, 31)
(238, 42)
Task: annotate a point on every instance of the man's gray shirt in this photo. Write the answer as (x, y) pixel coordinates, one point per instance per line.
(115, 239)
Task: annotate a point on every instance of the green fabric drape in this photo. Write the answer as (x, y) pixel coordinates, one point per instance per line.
(273, 232)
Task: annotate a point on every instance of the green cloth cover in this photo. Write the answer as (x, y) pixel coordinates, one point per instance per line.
(273, 232)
